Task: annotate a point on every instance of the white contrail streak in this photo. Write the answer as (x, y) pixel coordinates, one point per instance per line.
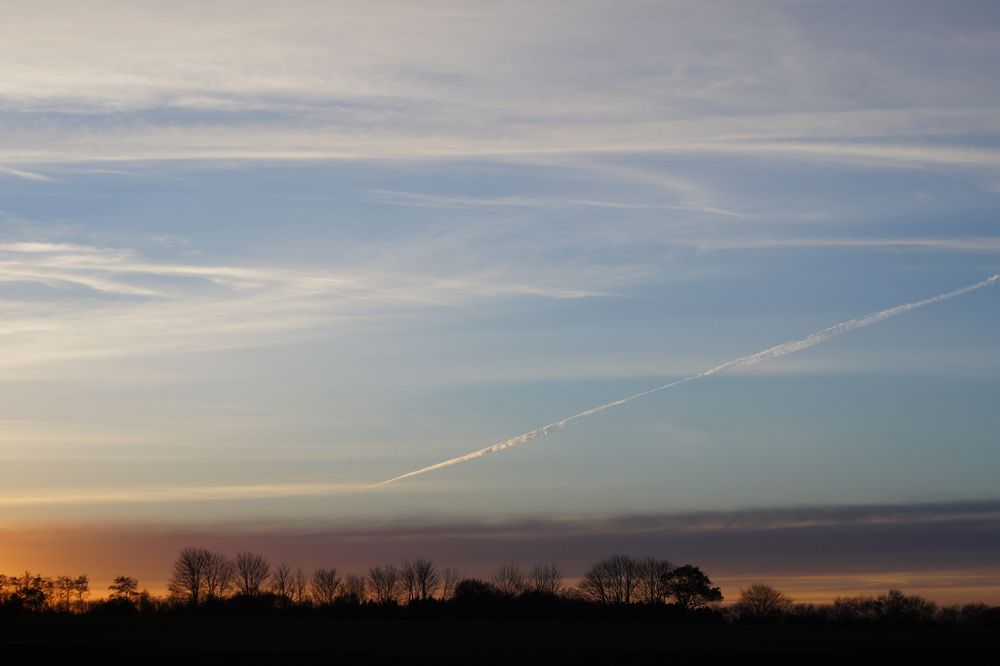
(767, 354)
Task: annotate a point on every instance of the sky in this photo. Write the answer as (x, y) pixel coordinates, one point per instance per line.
(255, 257)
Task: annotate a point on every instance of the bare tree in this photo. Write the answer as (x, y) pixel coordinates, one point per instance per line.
(219, 576)
(974, 613)
(125, 588)
(428, 579)
(420, 579)
(383, 579)
(509, 580)
(851, 610)
(894, 607)
(299, 587)
(325, 585)
(252, 571)
(6, 583)
(612, 580)
(352, 590)
(448, 582)
(653, 580)
(408, 582)
(545, 579)
(281, 582)
(190, 572)
(761, 603)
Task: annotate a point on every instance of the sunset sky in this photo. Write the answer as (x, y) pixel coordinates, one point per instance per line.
(255, 256)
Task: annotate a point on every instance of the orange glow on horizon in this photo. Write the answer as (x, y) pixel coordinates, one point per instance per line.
(148, 552)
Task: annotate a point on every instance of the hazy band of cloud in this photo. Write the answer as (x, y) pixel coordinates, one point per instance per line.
(837, 549)
(331, 80)
(225, 143)
(177, 494)
(437, 201)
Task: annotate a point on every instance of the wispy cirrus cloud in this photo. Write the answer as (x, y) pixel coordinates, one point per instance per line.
(23, 174)
(130, 304)
(440, 201)
(979, 244)
(225, 143)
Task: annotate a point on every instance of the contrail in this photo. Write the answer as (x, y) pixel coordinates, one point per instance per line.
(767, 354)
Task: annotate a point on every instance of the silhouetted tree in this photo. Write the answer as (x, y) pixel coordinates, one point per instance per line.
(612, 580)
(963, 614)
(252, 571)
(125, 588)
(472, 591)
(219, 576)
(383, 579)
(63, 587)
(6, 583)
(854, 610)
(894, 607)
(428, 579)
(545, 579)
(325, 585)
(761, 603)
(281, 583)
(81, 587)
(353, 589)
(978, 614)
(420, 579)
(691, 588)
(189, 574)
(448, 581)
(146, 602)
(124, 597)
(509, 580)
(32, 592)
(299, 587)
(408, 582)
(653, 580)
(805, 613)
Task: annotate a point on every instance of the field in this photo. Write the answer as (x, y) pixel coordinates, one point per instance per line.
(317, 640)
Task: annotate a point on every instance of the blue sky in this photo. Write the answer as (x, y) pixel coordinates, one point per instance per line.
(253, 257)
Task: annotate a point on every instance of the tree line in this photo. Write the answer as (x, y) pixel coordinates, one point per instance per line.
(201, 576)
(619, 586)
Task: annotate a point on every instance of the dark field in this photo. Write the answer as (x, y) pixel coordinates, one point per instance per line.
(315, 640)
